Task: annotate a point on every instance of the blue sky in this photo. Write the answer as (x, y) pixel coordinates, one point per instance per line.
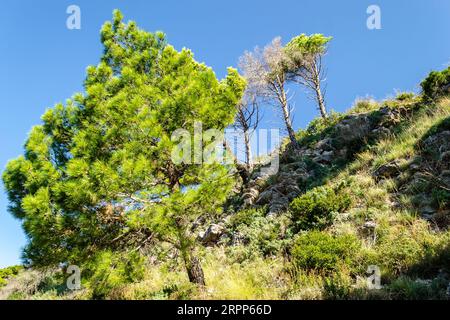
(42, 62)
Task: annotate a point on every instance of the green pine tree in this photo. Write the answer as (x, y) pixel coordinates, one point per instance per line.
(98, 174)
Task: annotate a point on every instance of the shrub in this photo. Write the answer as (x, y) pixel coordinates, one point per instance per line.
(362, 105)
(441, 198)
(435, 85)
(405, 96)
(337, 287)
(405, 288)
(262, 236)
(245, 217)
(318, 128)
(321, 251)
(317, 208)
(8, 272)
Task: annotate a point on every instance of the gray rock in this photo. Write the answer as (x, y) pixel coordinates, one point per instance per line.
(250, 195)
(324, 157)
(212, 234)
(325, 144)
(381, 132)
(265, 197)
(370, 225)
(428, 212)
(439, 142)
(387, 170)
(414, 166)
(353, 128)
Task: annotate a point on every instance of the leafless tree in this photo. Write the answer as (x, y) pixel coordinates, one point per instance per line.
(247, 120)
(266, 74)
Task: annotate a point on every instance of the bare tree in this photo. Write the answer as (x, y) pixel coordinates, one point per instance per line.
(266, 74)
(247, 120)
(304, 62)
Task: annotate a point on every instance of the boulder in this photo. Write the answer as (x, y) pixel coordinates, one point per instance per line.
(325, 157)
(353, 128)
(439, 142)
(212, 234)
(381, 132)
(265, 197)
(325, 144)
(387, 170)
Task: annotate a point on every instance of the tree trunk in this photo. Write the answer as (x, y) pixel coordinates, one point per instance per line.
(321, 102)
(317, 78)
(281, 94)
(248, 152)
(288, 123)
(194, 270)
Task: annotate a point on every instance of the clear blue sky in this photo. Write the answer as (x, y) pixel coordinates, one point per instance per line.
(42, 62)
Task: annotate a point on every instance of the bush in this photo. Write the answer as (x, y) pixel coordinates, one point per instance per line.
(436, 84)
(405, 96)
(8, 272)
(261, 236)
(362, 105)
(405, 288)
(318, 128)
(320, 251)
(317, 208)
(245, 217)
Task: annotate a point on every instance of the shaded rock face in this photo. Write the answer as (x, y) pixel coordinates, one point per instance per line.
(387, 170)
(426, 179)
(277, 191)
(353, 128)
(438, 144)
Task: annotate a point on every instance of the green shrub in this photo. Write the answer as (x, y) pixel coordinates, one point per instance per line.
(434, 85)
(320, 251)
(362, 105)
(318, 128)
(337, 287)
(8, 272)
(317, 208)
(441, 198)
(405, 96)
(245, 217)
(254, 235)
(405, 288)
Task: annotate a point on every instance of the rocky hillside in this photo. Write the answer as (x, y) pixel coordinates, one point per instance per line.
(327, 152)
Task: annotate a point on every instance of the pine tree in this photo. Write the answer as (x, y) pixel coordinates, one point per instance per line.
(98, 174)
(304, 56)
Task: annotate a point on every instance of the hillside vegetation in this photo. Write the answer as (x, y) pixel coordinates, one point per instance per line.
(359, 194)
(383, 202)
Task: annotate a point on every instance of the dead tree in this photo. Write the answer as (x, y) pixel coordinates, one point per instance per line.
(266, 73)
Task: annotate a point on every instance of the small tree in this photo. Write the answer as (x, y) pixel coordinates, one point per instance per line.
(98, 174)
(304, 62)
(265, 71)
